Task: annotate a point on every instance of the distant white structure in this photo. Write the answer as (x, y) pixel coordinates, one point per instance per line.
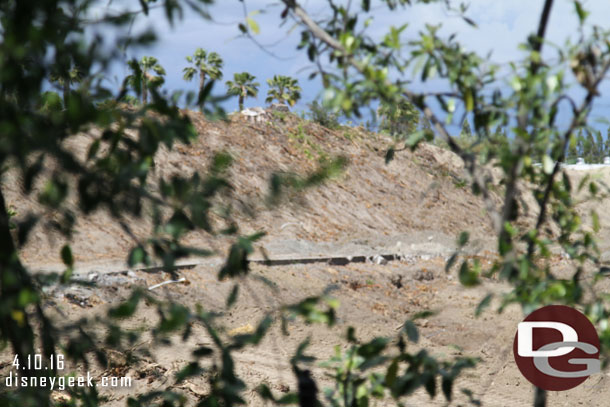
(581, 165)
(255, 114)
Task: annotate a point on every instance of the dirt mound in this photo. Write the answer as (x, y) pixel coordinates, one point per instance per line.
(415, 193)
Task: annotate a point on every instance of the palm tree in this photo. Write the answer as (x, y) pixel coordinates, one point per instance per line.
(284, 89)
(142, 78)
(207, 64)
(243, 85)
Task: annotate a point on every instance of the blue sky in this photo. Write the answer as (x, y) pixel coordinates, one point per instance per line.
(502, 25)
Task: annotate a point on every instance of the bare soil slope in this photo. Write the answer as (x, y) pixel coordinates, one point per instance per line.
(417, 196)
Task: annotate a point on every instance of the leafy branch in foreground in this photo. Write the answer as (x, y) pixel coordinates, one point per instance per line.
(117, 175)
(362, 70)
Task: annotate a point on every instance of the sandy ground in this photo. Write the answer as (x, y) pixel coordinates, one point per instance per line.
(371, 300)
(415, 207)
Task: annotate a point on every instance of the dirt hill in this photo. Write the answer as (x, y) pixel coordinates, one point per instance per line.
(418, 197)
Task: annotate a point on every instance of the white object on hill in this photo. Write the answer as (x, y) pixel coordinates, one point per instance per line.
(255, 114)
(581, 165)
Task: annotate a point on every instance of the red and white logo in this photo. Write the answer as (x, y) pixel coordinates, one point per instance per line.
(556, 348)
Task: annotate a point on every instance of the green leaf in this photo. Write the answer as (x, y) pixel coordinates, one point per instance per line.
(463, 238)
(373, 348)
(430, 384)
(66, 275)
(581, 12)
(470, 21)
(126, 308)
(447, 386)
(66, 256)
(177, 317)
(203, 351)
(483, 304)
(423, 314)
(26, 297)
(467, 276)
(595, 219)
(136, 256)
(451, 262)
(411, 331)
(253, 25)
(93, 149)
(389, 155)
(414, 139)
(547, 164)
(233, 296)
(265, 392)
(469, 100)
(391, 373)
(192, 369)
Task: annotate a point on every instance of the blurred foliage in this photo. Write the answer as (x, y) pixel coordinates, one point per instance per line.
(368, 371)
(513, 114)
(324, 116)
(399, 119)
(44, 46)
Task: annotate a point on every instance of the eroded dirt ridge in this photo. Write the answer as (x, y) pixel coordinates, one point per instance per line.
(412, 208)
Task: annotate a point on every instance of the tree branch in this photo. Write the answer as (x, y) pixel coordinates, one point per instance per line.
(511, 184)
(469, 160)
(576, 121)
(544, 19)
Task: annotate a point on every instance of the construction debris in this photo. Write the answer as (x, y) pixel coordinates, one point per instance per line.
(180, 280)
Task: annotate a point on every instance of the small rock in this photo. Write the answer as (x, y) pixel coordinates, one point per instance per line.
(242, 330)
(115, 358)
(423, 275)
(279, 107)
(377, 259)
(397, 281)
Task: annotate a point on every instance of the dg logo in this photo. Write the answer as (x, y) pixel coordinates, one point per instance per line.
(556, 348)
